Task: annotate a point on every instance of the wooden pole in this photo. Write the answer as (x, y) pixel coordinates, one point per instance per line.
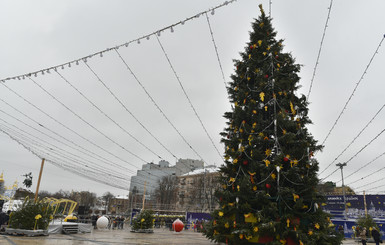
(38, 181)
(144, 194)
(366, 209)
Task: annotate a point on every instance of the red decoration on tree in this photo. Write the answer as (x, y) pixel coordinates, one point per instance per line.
(177, 225)
(245, 162)
(266, 76)
(268, 186)
(286, 159)
(251, 46)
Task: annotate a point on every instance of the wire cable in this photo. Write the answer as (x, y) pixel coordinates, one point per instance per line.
(191, 105)
(105, 114)
(319, 50)
(86, 122)
(358, 135)
(354, 90)
(216, 50)
(100, 53)
(66, 127)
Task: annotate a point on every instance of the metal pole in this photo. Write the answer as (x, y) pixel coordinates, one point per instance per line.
(342, 165)
(38, 181)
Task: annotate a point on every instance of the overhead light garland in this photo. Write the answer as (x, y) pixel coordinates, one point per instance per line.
(126, 44)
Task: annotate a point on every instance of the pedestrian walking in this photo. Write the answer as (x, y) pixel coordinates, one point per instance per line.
(376, 236)
(363, 236)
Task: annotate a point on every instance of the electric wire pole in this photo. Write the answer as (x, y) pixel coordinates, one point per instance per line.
(342, 165)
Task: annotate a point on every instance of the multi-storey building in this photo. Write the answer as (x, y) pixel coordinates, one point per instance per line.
(150, 174)
(196, 190)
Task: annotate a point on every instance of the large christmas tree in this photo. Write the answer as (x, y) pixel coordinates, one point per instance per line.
(269, 179)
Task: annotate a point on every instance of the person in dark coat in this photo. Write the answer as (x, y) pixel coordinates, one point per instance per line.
(376, 236)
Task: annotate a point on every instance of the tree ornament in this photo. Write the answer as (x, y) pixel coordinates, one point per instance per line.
(262, 96)
(227, 225)
(266, 76)
(268, 152)
(268, 186)
(286, 159)
(255, 188)
(256, 229)
(295, 197)
(267, 162)
(238, 188)
(254, 111)
(317, 226)
(288, 223)
(220, 213)
(265, 108)
(235, 160)
(241, 236)
(259, 42)
(245, 162)
(273, 176)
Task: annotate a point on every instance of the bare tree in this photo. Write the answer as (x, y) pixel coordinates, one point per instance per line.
(165, 193)
(107, 196)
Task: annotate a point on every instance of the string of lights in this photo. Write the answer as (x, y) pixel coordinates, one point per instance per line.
(125, 107)
(107, 116)
(21, 134)
(68, 128)
(61, 165)
(365, 165)
(216, 50)
(100, 53)
(153, 101)
(354, 90)
(366, 176)
(86, 122)
(71, 144)
(88, 161)
(371, 141)
(189, 101)
(354, 139)
(50, 152)
(319, 50)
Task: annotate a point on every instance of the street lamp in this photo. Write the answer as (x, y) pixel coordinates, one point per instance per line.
(342, 165)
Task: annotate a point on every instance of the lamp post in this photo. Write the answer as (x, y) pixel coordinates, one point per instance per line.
(342, 165)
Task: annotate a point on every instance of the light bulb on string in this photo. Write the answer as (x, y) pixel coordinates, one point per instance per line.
(35, 74)
(55, 69)
(158, 33)
(172, 29)
(101, 54)
(212, 12)
(126, 45)
(69, 64)
(148, 37)
(138, 41)
(48, 71)
(42, 72)
(182, 22)
(77, 62)
(85, 60)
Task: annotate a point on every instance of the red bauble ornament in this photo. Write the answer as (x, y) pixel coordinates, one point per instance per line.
(276, 56)
(245, 162)
(177, 225)
(266, 76)
(251, 46)
(286, 159)
(268, 186)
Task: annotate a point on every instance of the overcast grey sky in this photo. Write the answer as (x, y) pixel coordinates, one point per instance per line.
(36, 35)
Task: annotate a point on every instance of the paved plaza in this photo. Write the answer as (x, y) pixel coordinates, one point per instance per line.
(106, 237)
